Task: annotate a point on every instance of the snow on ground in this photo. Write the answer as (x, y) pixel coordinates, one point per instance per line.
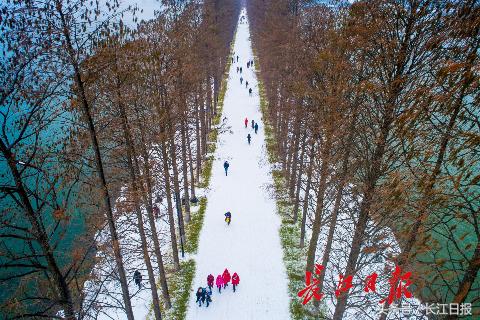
(251, 245)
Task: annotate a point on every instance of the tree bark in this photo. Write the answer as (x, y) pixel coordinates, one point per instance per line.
(307, 193)
(168, 191)
(99, 162)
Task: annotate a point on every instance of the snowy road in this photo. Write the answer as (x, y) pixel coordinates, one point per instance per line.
(251, 245)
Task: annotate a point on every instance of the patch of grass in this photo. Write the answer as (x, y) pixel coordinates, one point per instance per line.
(194, 227)
(179, 286)
(293, 255)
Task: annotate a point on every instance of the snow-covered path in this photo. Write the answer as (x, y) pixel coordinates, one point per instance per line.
(251, 245)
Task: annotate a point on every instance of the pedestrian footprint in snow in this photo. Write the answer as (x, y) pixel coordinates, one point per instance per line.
(256, 127)
(226, 278)
(210, 280)
(137, 277)
(225, 166)
(246, 122)
(241, 80)
(246, 84)
(228, 217)
(253, 124)
(219, 283)
(249, 137)
(235, 280)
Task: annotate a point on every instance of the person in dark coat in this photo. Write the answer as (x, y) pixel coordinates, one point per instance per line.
(256, 127)
(156, 212)
(200, 293)
(249, 137)
(208, 296)
(248, 64)
(225, 166)
(137, 277)
(241, 80)
(237, 58)
(253, 124)
(210, 280)
(240, 69)
(246, 84)
(250, 91)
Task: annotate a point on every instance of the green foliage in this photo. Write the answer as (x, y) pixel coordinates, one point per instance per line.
(193, 228)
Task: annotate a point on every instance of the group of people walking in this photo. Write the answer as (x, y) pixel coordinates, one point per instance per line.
(240, 70)
(204, 295)
(254, 127)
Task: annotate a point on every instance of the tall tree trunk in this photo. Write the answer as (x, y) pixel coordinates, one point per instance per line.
(307, 193)
(138, 211)
(363, 217)
(168, 191)
(199, 137)
(147, 196)
(176, 185)
(298, 185)
(190, 166)
(292, 173)
(98, 161)
(333, 220)
(322, 186)
(185, 172)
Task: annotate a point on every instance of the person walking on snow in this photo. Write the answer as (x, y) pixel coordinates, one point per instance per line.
(237, 69)
(219, 283)
(250, 91)
(253, 124)
(249, 137)
(137, 277)
(226, 278)
(235, 280)
(248, 64)
(241, 79)
(210, 279)
(226, 165)
(246, 84)
(228, 217)
(246, 122)
(208, 296)
(237, 58)
(256, 128)
(240, 70)
(199, 295)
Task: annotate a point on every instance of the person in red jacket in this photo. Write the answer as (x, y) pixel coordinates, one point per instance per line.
(235, 280)
(246, 122)
(210, 280)
(226, 278)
